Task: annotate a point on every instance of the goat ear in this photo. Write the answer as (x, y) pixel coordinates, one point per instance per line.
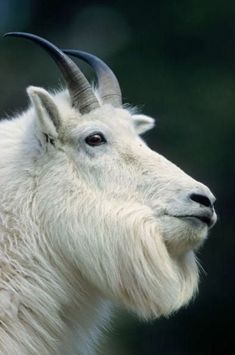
(48, 118)
(143, 123)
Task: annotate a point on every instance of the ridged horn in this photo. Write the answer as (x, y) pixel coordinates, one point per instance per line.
(108, 85)
(79, 88)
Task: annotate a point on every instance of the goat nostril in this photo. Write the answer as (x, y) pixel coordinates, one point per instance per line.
(202, 199)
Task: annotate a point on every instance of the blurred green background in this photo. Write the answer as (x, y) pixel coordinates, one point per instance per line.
(176, 61)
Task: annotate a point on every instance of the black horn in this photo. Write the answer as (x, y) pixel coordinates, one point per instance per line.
(108, 85)
(79, 88)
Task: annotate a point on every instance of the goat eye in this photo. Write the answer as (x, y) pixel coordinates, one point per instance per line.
(95, 139)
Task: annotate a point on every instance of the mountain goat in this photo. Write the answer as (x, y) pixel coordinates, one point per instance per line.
(90, 216)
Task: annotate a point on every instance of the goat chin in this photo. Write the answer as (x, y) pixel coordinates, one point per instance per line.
(182, 235)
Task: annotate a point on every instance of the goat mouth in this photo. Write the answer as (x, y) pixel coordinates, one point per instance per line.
(208, 221)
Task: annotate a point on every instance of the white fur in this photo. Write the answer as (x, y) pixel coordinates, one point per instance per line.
(83, 228)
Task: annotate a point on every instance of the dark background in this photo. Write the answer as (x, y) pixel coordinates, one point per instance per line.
(176, 61)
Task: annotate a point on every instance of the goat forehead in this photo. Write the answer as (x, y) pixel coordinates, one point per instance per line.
(118, 122)
(115, 118)
(112, 116)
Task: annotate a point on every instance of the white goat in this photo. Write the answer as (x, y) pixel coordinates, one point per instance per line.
(89, 217)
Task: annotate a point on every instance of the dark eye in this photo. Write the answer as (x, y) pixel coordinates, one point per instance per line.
(95, 139)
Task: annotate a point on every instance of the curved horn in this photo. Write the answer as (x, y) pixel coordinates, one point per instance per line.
(79, 88)
(109, 88)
